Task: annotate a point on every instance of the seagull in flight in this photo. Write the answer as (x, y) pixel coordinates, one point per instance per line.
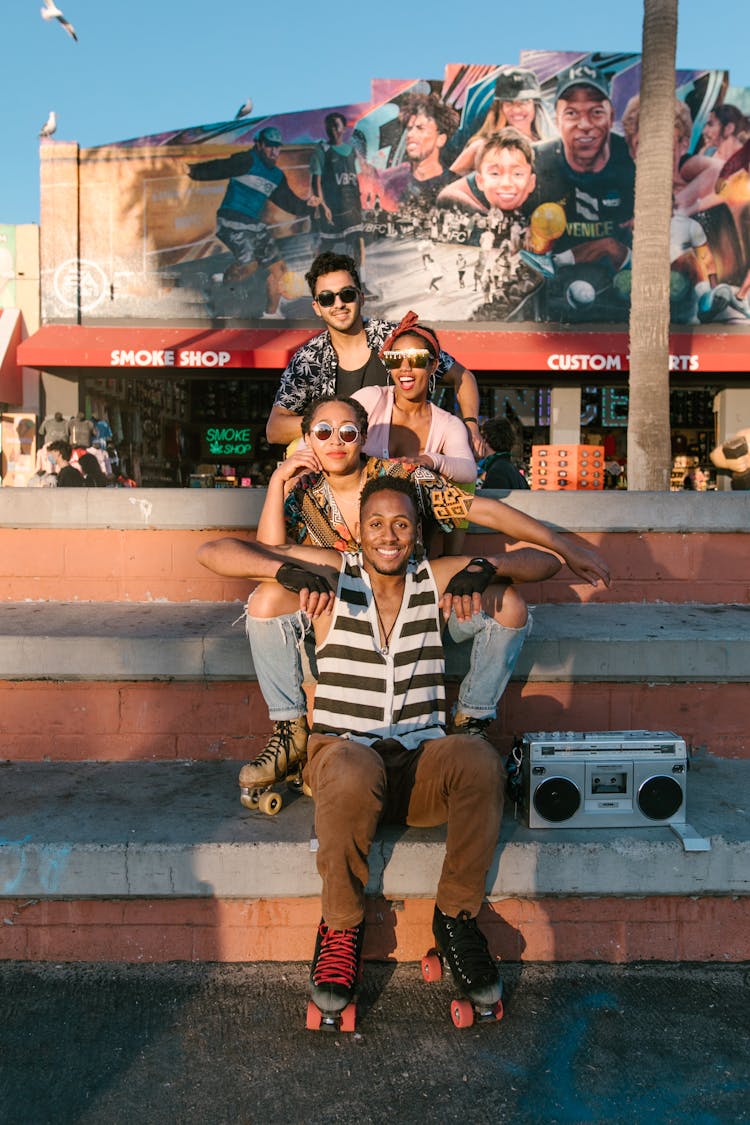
(50, 11)
(50, 125)
(244, 110)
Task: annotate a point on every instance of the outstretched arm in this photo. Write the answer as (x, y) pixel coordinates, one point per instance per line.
(582, 560)
(238, 558)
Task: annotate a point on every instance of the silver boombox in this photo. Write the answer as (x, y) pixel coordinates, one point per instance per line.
(602, 779)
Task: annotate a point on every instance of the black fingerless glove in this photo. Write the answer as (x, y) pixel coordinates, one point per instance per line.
(473, 579)
(296, 578)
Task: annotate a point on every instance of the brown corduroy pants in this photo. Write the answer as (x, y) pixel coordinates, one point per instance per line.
(457, 779)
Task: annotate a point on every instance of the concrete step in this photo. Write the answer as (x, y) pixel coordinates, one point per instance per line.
(206, 641)
(84, 681)
(158, 861)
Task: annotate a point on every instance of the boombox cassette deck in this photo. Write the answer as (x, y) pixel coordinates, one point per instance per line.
(603, 779)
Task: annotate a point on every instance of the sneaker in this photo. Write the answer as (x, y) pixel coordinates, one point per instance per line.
(542, 263)
(335, 967)
(464, 947)
(285, 753)
(470, 724)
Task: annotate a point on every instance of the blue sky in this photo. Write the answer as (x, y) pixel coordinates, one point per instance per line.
(146, 66)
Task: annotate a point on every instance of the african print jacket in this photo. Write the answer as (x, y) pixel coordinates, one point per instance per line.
(311, 512)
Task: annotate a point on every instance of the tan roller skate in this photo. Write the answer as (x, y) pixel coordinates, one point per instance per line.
(282, 760)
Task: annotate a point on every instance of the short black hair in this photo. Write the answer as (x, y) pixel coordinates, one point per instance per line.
(335, 116)
(62, 447)
(499, 433)
(329, 262)
(360, 414)
(390, 484)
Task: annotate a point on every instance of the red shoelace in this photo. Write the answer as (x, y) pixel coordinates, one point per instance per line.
(337, 960)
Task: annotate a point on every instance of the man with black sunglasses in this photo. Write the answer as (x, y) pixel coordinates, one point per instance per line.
(344, 358)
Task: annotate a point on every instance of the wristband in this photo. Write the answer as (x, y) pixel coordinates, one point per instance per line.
(465, 420)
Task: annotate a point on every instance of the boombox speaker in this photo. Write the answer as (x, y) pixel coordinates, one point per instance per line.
(603, 779)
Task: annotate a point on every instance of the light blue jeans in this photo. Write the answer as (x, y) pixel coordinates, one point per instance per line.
(284, 657)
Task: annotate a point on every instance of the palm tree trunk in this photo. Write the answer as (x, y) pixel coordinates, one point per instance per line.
(649, 447)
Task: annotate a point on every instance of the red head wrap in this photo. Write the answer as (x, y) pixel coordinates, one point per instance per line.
(410, 326)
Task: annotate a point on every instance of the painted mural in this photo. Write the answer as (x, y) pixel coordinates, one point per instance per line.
(498, 193)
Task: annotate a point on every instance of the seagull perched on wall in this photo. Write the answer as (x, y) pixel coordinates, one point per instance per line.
(50, 125)
(50, 11)
(245, 110)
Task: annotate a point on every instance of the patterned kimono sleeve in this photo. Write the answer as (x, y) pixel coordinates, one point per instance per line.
(296, 528)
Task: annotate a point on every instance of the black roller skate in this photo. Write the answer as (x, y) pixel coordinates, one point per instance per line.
(333, 978)
(282, 760)
(461, 943)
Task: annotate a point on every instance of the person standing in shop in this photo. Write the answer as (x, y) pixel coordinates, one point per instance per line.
(67, 476)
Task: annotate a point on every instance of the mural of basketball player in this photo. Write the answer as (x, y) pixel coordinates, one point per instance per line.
(254, 180)
(428, 125)
(333, 177)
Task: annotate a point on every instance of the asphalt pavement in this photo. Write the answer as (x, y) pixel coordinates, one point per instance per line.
(215, 1044)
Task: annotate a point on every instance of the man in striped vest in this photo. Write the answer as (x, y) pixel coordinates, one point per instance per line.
(378, 751)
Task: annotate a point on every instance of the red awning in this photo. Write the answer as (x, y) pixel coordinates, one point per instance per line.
(11, 376)
(194, 350)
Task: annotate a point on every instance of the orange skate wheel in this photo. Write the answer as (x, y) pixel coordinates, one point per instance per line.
(462, 1013)
(314, 1017)
(349, 1018)
(270, 803)
(498, 1010)
(432, 966)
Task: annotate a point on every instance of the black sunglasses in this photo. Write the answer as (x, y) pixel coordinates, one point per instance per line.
(347, 431)
(348, 295)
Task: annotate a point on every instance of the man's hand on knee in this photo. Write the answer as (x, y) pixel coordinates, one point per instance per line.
(463, 594)
(315, 594)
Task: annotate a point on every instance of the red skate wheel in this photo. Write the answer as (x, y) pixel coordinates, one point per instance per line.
(498, 1010)
(314, 1017)
(349, 1018)
(462, 1013)
(432, 966)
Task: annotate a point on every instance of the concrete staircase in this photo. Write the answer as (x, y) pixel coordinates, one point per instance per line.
(127, 698)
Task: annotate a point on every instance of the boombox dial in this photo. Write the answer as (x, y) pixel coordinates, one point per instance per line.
(603, 779)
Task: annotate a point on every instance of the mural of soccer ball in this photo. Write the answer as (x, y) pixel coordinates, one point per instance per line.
(580, 293)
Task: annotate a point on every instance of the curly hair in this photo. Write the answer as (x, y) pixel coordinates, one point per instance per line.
(390, 484)
(360, 414)
(445, 116)
(328, 262)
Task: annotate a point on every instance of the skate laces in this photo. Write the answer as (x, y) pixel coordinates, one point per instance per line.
(473, 725)
(337, 959)
(469, 946)
(281, 741)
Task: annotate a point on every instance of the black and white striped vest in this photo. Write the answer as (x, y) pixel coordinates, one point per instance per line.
(367, 694)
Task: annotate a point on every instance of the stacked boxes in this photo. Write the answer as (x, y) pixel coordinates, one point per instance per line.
(558, 467)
